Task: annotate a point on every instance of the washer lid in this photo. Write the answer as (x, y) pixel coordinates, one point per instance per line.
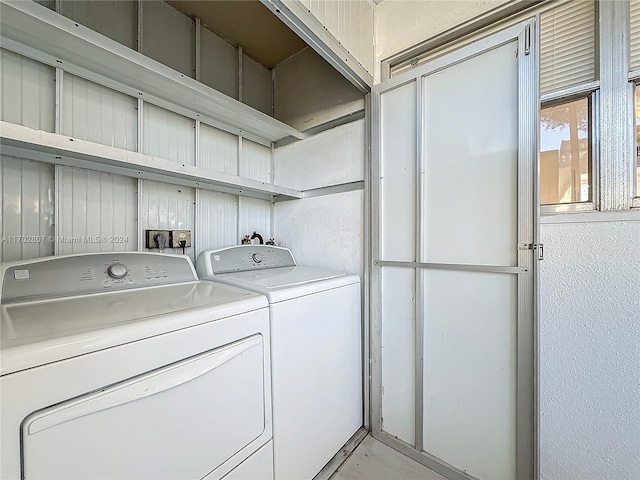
(285, 283)
(40, 332)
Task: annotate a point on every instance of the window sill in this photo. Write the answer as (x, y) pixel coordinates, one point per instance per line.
(567, 208)
(591, 217)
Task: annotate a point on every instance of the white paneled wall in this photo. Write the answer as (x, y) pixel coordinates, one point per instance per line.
(217, 220)
(168, 135)
(28, 92)
(116, 19)
(218, 63)
(168, 36)
(99, 114)
(256, 161)
(218, 150)
(350, 22)
(255, 216)
(27, 194)
(167, 207)
(50, 4)
(257, 90)
(96, 212)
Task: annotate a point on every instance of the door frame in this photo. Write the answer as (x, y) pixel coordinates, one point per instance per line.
(527, 35)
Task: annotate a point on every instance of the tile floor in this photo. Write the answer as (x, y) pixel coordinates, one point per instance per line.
(373, 460)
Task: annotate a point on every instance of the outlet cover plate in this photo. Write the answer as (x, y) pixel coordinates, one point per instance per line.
(177, 235)
(150, 240)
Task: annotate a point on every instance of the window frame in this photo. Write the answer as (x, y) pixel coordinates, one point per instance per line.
(634, 81)
(590, 92)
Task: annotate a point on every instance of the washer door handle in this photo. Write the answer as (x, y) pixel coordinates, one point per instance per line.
(144, 385)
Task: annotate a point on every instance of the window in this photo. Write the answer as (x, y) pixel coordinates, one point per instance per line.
(567, 80)
(565, 153)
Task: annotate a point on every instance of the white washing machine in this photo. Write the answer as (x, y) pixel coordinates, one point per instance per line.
(126, 366)
(316, 351)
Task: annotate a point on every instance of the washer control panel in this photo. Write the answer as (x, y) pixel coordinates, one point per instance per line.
(243, 258)
(63, 276)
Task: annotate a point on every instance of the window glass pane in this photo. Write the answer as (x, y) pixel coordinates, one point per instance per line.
(565, 163)
(637, 110)
(567, 45)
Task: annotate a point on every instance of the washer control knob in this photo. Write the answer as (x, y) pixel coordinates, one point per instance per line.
(117, 270)
(257, 257)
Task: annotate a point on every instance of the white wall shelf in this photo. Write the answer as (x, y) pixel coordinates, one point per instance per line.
(24, 142)
(39, 33)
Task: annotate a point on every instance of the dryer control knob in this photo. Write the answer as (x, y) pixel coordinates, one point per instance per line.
(117, 270)
(257, 257)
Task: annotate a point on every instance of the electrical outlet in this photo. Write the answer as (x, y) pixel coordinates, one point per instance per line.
(177, 236)
(152, 241)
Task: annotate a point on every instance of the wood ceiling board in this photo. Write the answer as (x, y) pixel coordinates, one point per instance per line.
(246, 23)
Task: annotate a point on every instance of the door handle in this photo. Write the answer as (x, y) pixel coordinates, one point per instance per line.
(539, 247)
(139, 387)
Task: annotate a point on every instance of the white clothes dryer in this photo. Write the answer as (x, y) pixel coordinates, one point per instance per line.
(316, 351)
(124, 365)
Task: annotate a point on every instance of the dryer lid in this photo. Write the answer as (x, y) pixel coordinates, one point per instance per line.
(35, 333)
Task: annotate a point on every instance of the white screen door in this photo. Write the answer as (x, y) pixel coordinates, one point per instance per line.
(454, 273)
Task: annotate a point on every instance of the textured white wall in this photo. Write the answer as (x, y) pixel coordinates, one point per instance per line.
(332, 157)
(401, 24)
(324, 231)
(590, 351)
